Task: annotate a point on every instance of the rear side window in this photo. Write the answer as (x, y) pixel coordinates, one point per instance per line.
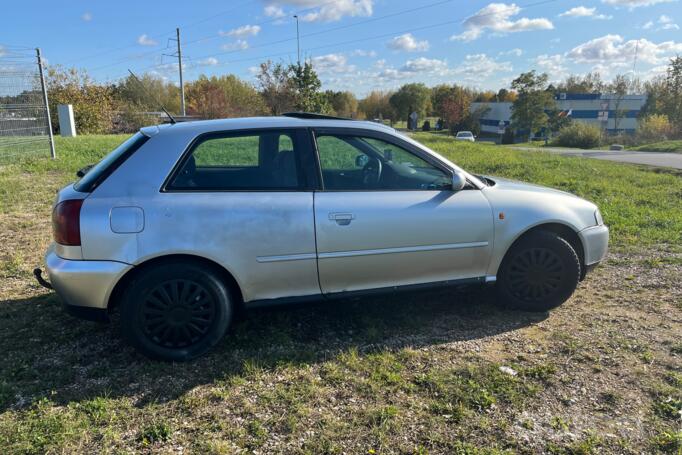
(254, 160)
(99, 172)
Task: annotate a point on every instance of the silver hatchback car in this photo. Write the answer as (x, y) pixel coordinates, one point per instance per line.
(182, 223)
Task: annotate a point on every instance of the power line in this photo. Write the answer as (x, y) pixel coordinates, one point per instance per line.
(161, 35)
(218, 35)
(343, 43)
(333, 29)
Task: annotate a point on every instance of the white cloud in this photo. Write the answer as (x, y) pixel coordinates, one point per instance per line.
(583, 11)
(243, 31)
(516, 52)
(408, 43)
(497, 17)
(631, 4)
(274, 11)
(238, 45)
(325, 11)
(86, 17)
(332, 63)
(425, 65)
(648, 25)
(613, 49)
(667, 23)
(210, 61)
(480, 66)
(363, 53)
(144, 40)
(579, 11)
(553, 65)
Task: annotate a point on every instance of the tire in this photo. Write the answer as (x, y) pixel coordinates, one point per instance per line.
(176, 311)
(539, 272)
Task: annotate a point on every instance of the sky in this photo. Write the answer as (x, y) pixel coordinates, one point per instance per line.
(356, 45)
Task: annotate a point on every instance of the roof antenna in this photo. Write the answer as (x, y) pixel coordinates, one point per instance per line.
(170, 117)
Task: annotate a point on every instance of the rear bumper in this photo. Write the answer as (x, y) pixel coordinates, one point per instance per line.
(84, 286)
(595, 241)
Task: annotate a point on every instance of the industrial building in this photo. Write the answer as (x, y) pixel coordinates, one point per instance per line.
(613, 113)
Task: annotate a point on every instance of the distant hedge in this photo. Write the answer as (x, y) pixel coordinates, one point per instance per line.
(580, 135)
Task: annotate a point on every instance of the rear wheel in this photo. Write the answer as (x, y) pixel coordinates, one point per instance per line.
(175, 312)
(540, 272)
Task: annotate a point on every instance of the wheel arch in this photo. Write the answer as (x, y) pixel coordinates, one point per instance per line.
(225, 274)
(562, 230)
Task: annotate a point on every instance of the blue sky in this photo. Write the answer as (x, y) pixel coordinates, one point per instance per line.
(357, 45)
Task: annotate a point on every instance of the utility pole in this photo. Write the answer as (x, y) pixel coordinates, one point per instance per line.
(47, 104)
(298, 41)
(182, 85)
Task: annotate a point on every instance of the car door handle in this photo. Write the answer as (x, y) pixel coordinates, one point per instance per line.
(342, 219)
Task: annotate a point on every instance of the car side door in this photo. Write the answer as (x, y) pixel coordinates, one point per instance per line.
(245, 199)
(387, 216)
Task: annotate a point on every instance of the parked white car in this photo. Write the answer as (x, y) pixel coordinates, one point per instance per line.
(465, 136)
(182, 223)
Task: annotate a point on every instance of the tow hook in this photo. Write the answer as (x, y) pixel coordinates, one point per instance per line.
(39, 276)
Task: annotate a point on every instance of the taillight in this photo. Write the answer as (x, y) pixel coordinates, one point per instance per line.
(66, 223)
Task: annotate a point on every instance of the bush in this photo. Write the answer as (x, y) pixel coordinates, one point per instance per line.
(426, 126)
(654, 128)
(93, 104)
(580, 135)
(508, 136)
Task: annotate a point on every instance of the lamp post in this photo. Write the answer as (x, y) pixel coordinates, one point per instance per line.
(298, 41)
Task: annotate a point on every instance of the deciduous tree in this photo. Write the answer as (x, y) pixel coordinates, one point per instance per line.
(93, 104)
(415, 97)
(528, 111)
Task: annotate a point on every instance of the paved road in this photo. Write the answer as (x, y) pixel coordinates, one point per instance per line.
(673, 160)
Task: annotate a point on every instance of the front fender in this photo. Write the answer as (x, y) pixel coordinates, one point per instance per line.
(517, 212)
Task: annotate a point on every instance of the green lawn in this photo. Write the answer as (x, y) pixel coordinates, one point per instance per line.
(419, 374)
(640, 205)
(664, 146)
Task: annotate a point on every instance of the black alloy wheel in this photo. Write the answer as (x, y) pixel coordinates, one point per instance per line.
(538, 273)
(176, 311)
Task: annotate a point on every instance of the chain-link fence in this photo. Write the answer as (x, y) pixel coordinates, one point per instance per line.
(24, 121)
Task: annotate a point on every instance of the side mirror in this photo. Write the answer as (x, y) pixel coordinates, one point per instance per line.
(459, 181)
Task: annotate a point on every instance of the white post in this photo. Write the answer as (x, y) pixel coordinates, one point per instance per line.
(67, 125)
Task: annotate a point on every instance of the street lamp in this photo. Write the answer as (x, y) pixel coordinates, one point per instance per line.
(298, 41)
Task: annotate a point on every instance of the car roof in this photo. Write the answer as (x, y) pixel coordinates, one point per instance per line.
(205, 126)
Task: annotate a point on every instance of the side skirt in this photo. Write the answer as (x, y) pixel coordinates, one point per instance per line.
(264, 303)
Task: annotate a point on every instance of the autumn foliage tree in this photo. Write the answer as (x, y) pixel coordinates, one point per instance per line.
(223, 96)
(94, 105)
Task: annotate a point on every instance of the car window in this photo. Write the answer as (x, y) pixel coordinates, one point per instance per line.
(335, 153)
(351, 163)
(248, 161)
(99, 172)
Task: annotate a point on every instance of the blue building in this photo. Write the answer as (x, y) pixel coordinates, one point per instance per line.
(610, 112)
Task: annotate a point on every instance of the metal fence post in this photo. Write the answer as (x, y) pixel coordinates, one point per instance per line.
(53, 153)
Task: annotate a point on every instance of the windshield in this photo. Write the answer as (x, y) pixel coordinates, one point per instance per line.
(464, 134)
(99, 172)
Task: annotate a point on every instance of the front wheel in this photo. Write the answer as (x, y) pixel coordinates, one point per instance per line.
(539, 272)
(176, 311)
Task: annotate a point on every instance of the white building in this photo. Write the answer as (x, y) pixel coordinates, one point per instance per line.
(601, 109)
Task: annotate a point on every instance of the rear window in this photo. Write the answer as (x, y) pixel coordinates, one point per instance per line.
(99, 172)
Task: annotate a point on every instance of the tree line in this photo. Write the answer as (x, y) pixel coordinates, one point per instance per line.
(126, 105)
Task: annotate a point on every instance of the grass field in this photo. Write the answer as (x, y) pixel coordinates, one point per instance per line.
(664, 146)
(414, 374)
